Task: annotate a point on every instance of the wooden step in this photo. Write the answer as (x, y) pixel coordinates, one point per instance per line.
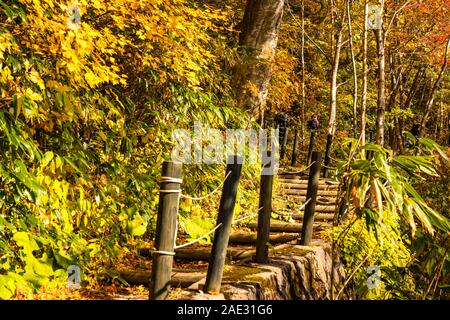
(201, 253)
(325, 208)
(292, 176)
(180, 278)
(299, 216)
(299, 200)
(317, 216)
(280, 227)
(326, 199)
(305, 186)
(300, 192)
(320, 208)
(245, 237)
(287, 227)
(305, 181)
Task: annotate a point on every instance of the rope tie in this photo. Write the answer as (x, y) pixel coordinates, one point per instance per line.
(165, 179)
(164, 253)
(170, 191)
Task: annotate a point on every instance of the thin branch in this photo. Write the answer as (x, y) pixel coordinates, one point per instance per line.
(306, 34)
(393, 17)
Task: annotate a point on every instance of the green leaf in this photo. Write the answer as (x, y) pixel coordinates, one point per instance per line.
(24, 240)
(7, 287)
(137, 226)
(48, 156)
(362, 165)
(41, 267)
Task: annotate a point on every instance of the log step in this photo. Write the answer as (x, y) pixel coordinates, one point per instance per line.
(280, 227)
(300, 187)
(180, 278)
(250, 238)
(326, 200)
(317, 216)
(325, 208)
(320, 193)
(303, 181)
(202, 253)
(285, 227)
(286, 185)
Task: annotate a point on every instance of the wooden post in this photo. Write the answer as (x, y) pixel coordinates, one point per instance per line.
(343, 211)
(285, 142)
(165, 230)
(294, 150)
(312, 141)
(265, 209)
(313, 186)
(222, 234)
(327, 155)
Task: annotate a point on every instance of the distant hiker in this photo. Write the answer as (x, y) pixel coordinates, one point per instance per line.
(282, 123)
(415, 131)
(313, 123)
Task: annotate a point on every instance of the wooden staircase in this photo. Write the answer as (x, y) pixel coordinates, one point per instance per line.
(290, 195)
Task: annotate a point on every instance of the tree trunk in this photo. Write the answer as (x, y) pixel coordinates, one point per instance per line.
(381, 101)
(395, 79)
(333, 98)
(436, 85)
(364, 76)
(418, 78)
(355, 75)
(259, 37)
(303, 78)
(397, 124)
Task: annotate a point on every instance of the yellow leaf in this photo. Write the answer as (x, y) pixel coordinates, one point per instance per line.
(92, 79)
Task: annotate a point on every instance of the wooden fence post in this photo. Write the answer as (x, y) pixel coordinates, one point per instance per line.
(327, 161)
(312, 141)
(165, 230)
(265, 209)
(225, 217)
(313, 186)
(294, 150)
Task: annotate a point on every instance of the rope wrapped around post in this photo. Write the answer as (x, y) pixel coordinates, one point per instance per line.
(166, 230)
